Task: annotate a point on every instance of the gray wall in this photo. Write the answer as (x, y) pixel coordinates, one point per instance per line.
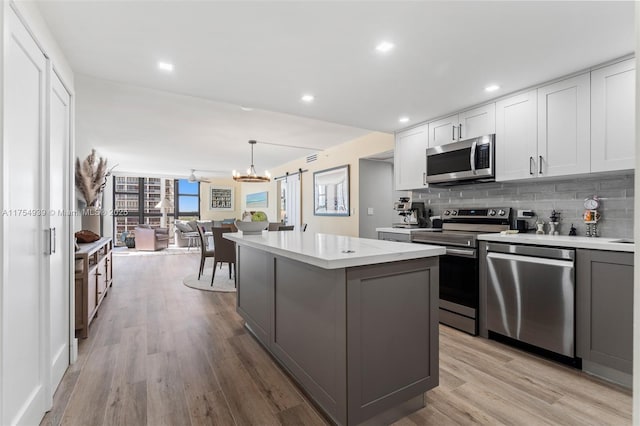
(376, 191)
(564, 195)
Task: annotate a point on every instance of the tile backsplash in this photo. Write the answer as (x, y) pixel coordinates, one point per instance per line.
(564, 195)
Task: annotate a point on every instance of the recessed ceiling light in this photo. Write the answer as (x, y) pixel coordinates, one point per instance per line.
(492, 88)
(244, 108)
(403, 119)
(165, 66)
(307, 98)
(384, 46)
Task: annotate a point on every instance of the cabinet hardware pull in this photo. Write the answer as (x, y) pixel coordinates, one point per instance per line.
(98, 274)
(453, 133)
(540, 171)
(460, 131)
(53, 245)
(530, 164)
(424, 178)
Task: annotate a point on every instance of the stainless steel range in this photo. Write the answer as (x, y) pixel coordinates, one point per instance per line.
(459, 281)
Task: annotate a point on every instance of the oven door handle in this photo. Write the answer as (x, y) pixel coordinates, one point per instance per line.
(461, 252)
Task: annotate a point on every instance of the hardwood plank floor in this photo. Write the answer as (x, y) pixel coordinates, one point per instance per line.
(161, 353)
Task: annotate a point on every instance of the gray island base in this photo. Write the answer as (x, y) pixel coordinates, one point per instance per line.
(354, 321)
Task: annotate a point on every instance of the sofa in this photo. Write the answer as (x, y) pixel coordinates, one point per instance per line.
(186, 233)
(151, 239)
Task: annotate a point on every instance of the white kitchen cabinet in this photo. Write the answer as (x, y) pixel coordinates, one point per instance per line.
(516, 137)
(410, 161)
(443, 131)
(477, 122)
(613, 117)
(563, 127)
(467, 124)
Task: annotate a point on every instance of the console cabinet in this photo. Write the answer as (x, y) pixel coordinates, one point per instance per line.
(604, 314)
(93, 277)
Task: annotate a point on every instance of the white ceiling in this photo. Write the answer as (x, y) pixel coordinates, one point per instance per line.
(266, 54)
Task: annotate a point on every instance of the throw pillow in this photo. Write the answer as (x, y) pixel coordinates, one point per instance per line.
(183, 227)
(86, 236)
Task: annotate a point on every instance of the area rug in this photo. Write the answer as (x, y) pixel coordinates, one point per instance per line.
(220, 283)
(124, 251)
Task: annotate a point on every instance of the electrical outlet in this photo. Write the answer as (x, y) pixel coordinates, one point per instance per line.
(370, 211)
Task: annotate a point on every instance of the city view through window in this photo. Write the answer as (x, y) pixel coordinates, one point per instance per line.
(135, 200)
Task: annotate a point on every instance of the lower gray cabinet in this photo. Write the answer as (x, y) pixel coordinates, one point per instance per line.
(394, 236)
(604, 313)
(362, 341)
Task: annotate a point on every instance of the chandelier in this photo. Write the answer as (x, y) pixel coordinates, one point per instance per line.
(251, 175)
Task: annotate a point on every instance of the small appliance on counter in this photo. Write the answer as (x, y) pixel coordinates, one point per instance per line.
(412, 213)
(521, 220)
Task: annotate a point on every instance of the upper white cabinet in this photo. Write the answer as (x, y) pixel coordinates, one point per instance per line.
(477, 122)
(467, 124)
(613, 117)
(443, 131)
(517, 137)
(563, 127)
(410, 161)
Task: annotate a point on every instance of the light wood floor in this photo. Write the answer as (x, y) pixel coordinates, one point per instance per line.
(161, 353)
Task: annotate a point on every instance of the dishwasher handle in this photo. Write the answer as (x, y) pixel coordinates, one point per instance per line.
(531, 259)
(537, 251)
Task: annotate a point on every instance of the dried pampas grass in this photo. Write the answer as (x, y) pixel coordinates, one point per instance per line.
(91, 178)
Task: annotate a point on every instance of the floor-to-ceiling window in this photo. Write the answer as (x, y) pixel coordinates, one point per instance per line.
(151, 201)
(187, 199)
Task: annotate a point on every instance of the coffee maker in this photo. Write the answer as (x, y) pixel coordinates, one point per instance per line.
(412, 213)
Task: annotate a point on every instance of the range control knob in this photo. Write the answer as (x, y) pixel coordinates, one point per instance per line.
(454, 212)
(446, 212)
(501, 212)
(492, 212)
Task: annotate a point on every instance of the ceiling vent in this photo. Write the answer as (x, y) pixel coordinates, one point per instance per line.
(311, 158)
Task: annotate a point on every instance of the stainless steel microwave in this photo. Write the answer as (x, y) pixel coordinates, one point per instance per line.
(467, 160)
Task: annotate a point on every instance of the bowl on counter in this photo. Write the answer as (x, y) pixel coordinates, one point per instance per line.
(252, 228)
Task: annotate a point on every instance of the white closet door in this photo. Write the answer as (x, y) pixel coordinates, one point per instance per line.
(24, 296)
(59, 283)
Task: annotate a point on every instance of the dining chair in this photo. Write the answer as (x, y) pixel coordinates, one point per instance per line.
(205, 249)
(225, 251)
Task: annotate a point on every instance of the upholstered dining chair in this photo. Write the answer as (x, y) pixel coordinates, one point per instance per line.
(225, 251)
(205, 249)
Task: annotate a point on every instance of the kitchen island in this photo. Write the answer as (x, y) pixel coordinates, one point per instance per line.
(353, 320)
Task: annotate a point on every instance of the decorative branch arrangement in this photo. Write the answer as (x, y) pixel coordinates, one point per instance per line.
(91, 178)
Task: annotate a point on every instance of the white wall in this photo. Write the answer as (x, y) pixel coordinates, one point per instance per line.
(347, 153)
(376, 192)
(636, 236)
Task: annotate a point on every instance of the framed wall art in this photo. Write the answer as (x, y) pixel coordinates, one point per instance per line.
(331, 192)
(259, 199)
(221, 198)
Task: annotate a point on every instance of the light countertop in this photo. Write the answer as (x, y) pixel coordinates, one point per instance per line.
(608, 244)
(334, 251)
(406, 231)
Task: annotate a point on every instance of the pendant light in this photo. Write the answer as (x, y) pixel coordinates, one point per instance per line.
(251, 175)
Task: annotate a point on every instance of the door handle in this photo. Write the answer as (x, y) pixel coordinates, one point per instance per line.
(540, 166)
(530, 164)
(424, 178)
(453, 133)
(53, 244)
(472, 157)
(460, 131)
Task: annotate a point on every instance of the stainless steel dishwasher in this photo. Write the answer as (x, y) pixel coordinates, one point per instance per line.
(531, 295)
